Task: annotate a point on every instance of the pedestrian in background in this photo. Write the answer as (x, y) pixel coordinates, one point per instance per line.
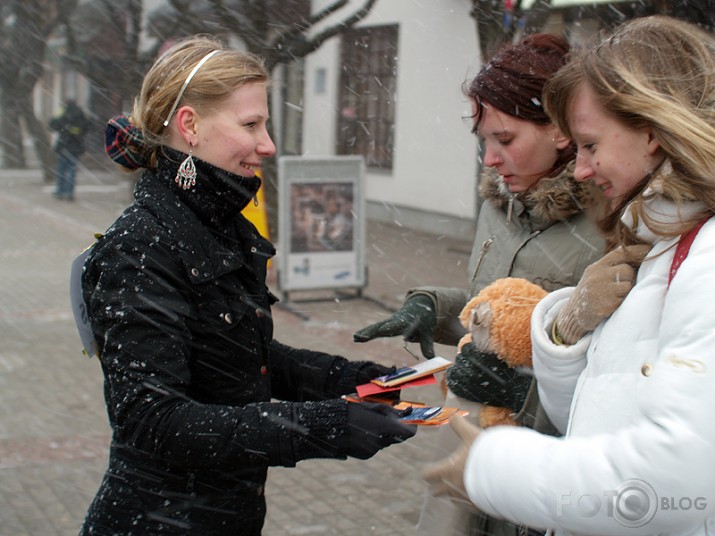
(71, 127)
(533, 224)
(627, 373)
(201, 398)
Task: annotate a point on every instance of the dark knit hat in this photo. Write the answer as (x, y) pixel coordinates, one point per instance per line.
(513, 80)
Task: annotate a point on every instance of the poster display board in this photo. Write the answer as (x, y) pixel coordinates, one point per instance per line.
(321, 222)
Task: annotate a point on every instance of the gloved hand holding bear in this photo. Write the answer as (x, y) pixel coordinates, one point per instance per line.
(493, 366)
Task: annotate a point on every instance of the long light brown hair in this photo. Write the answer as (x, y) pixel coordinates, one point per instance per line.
(656, 72)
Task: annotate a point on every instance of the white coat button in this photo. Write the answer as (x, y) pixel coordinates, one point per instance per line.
(227, 317)
(195, 272)
(646, 369)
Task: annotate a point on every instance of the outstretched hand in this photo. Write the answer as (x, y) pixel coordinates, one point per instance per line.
(447, 476)
(415, 321)
(371, 427)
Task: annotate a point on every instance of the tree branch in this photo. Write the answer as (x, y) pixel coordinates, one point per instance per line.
(299, 50)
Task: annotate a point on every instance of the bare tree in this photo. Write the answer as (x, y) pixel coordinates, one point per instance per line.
(25, 28)
(103, 45)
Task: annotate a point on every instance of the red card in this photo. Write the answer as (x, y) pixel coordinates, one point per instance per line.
(368, 389)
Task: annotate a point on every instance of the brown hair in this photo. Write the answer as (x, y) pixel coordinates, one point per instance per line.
(513, 80)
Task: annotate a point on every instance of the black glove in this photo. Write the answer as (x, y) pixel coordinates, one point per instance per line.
(373, 370)
(483, 377)
(345, 375)
(371, 427)
(370, 370)
(415, 321)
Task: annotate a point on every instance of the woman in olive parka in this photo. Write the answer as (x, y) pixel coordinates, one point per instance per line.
(201, 399)
(533, 223)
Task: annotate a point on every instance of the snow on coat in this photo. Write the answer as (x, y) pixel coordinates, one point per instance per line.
(180, 309)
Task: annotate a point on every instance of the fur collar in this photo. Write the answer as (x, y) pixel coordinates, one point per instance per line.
(552, 199)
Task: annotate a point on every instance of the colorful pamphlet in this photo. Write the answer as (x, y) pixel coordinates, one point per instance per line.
(408, 374)
(414, 412)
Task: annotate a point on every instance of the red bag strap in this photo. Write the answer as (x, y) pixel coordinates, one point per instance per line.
(683, 247)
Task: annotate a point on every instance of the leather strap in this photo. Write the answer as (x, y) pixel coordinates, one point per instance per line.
(683, 247)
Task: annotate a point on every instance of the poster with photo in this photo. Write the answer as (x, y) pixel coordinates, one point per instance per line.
(321, 222)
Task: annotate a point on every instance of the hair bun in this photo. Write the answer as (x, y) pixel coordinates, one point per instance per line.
(124, 143)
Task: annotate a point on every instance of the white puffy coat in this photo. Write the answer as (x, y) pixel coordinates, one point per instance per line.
(637, 402)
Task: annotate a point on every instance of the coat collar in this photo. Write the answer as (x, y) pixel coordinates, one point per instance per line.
(658, 205)
(218, 195)
(193, 217)
(553, 199)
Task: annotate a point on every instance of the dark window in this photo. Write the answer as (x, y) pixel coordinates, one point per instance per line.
(368, 82)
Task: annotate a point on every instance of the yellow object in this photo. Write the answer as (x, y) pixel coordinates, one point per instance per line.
(257, 214)
(555, 337)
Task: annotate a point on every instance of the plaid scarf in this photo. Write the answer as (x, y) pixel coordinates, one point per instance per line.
(124, 143)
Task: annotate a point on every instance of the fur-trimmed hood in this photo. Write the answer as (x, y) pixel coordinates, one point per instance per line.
(552, 198)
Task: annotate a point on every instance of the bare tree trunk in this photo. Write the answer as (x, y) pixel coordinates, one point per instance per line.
(40, 139)
(23, 37)
(11, 138)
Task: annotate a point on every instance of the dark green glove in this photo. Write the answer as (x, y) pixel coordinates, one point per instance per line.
(415, 321)
(483, 377)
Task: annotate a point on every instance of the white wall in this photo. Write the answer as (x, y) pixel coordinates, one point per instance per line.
(435, 154)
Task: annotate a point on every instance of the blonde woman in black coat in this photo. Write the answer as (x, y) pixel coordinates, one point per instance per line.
(181, 313)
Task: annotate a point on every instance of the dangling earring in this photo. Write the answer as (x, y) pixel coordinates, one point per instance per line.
(186, 175)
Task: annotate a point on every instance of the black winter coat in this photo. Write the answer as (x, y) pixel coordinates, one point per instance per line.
(71, 127)
(182, 315)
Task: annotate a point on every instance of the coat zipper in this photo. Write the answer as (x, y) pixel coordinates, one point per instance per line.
(482, 253)
(509, 210)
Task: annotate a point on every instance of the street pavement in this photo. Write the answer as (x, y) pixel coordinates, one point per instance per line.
(53, 427)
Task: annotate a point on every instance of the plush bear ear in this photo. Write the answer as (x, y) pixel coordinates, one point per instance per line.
(480, 326)
(466, 315)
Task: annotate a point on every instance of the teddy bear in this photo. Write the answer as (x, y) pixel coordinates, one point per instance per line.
(493, 366)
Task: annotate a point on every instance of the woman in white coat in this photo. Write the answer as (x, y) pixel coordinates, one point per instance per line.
(629, 377)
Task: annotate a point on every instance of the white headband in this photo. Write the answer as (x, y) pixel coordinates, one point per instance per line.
(186, 83)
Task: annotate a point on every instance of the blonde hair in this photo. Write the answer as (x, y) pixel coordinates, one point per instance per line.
(656, 72)
(213, 82)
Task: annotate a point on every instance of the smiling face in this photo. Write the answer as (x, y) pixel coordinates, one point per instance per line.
(612, 155)
(522, 152)
(233, 135)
